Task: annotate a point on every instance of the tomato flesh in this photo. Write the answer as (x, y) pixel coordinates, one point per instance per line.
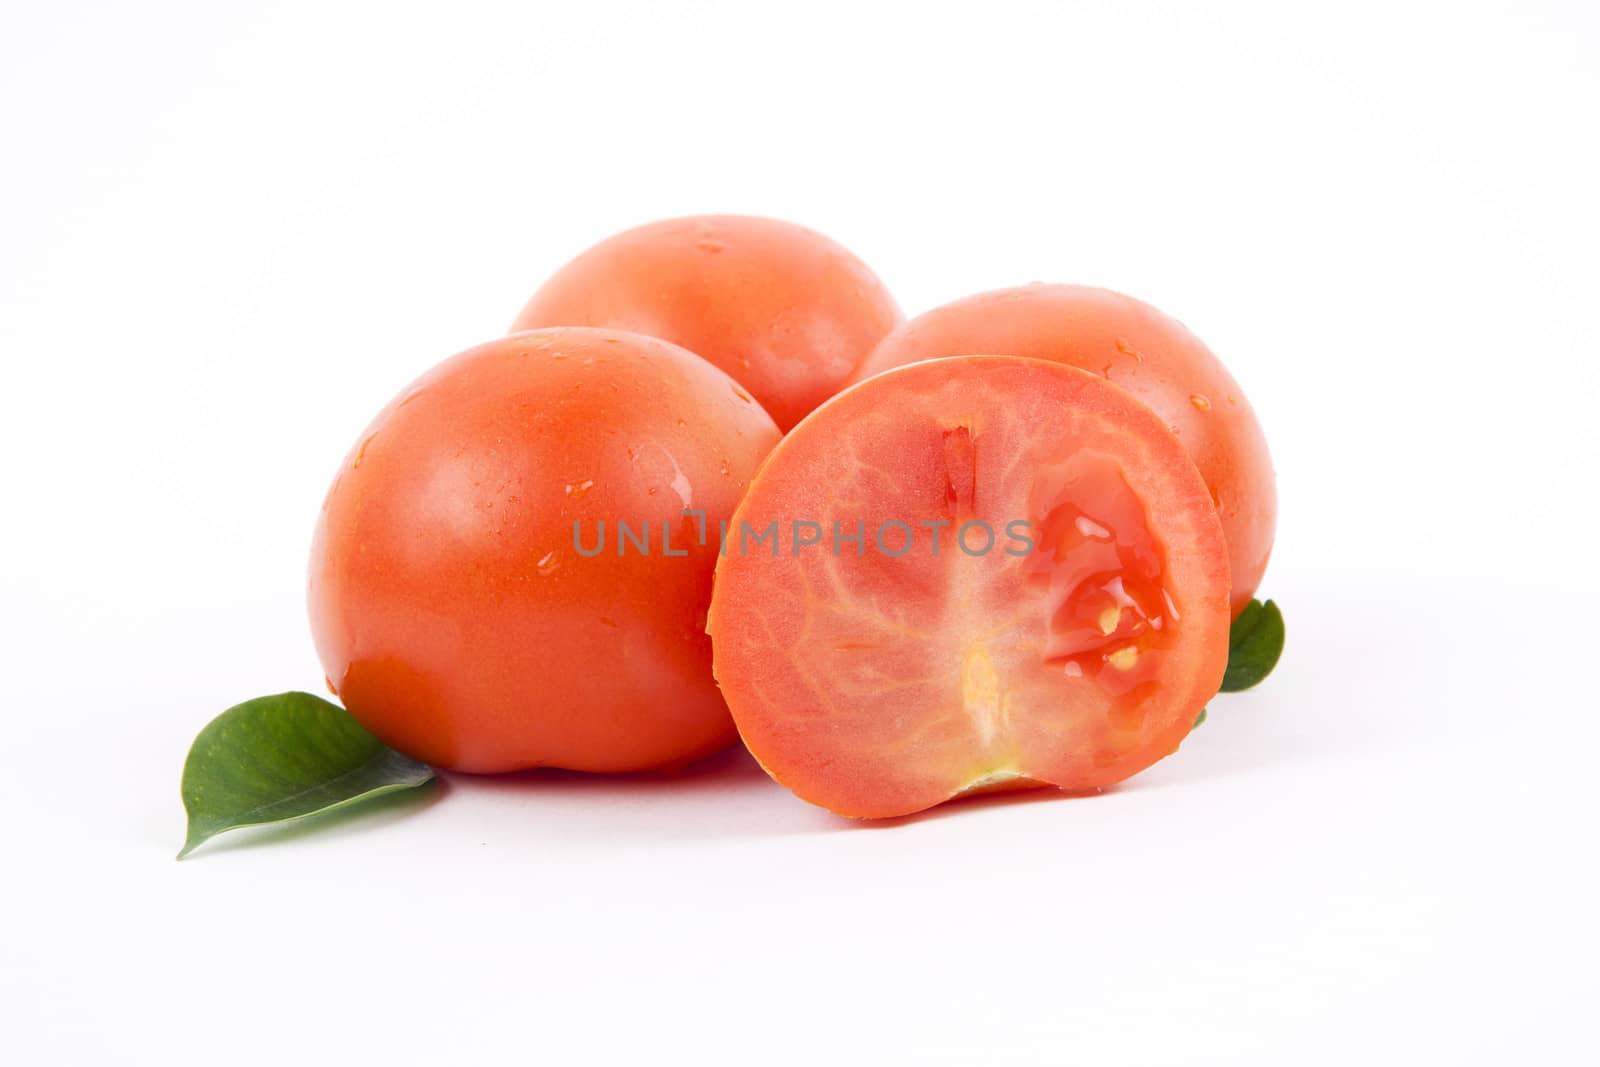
(1074, 651)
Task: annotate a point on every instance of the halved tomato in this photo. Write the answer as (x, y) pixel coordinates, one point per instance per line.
(966, 574)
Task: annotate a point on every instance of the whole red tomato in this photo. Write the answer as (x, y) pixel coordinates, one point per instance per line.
(1147, 353)
(783, 309)
(455, 599)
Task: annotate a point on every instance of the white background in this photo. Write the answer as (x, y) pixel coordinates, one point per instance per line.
(229, 234)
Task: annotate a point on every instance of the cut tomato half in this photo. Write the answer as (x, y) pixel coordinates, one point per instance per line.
(970, 574)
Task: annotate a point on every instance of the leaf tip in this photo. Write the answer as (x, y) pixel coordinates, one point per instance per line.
(1255, 643)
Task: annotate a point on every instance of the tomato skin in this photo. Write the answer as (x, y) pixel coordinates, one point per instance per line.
(786, 311)
(448, 605)
(881, 685)
(1148, 353)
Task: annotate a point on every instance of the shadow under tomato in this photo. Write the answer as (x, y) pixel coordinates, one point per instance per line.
(978, 802)
(719, 770)
(727, 794)
(723, 795)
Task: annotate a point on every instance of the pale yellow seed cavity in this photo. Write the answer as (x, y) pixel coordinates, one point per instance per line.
(1124, 658)
(1109, 619)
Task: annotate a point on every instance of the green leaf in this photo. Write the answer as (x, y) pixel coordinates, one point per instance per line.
(1255, 641)
(283, 757)
(1198, 719)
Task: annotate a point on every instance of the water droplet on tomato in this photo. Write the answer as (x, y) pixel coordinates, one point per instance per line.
(547, 564)
(577, 489)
